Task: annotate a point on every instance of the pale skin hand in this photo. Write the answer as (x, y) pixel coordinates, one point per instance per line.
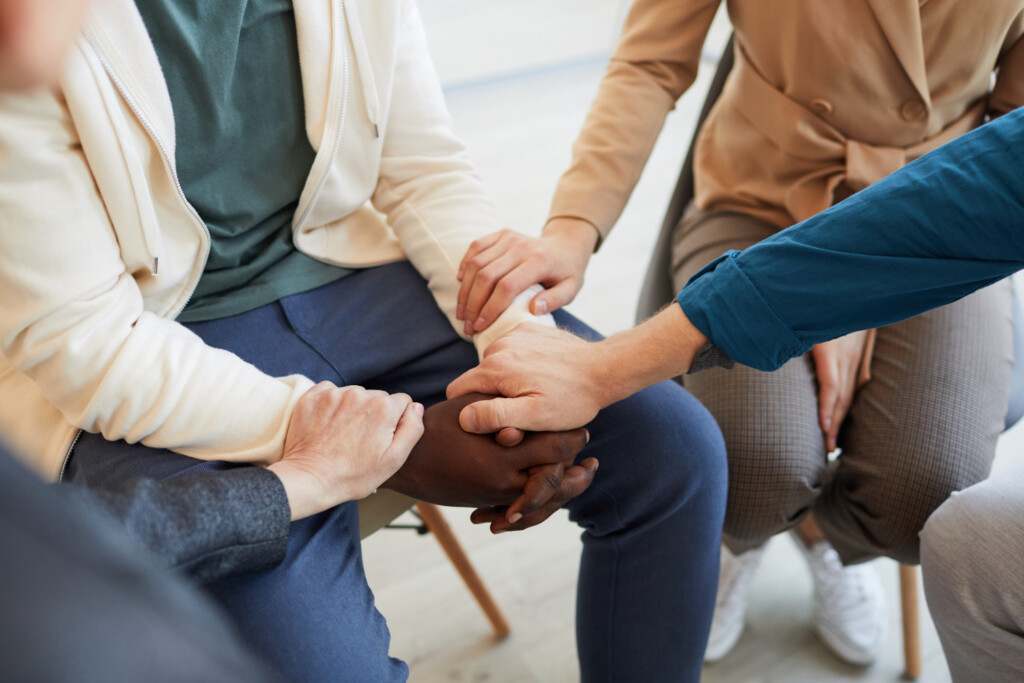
(499, 267)
(343, 443)
(555, 381)
(836, 364)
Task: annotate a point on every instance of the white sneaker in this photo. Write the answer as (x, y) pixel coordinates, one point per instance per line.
(734, 576)
(849, 604)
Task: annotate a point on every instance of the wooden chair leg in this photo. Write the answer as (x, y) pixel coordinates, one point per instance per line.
(435, 521)
(911, 621)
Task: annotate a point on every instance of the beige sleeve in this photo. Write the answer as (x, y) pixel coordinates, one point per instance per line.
(1008, 93)
(654, 63)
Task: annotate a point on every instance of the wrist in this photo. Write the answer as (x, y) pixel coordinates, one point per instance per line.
(613, 371)
(581, 235)
(305, 491)
(398, 481)
(659, 349)
(606, 372)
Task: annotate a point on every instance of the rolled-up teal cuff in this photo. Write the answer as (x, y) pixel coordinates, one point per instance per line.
(724, 304)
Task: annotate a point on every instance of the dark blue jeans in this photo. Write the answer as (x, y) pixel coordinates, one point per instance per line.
(652, 519)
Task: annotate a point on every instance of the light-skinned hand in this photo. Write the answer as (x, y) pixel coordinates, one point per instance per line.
(343, 443)
(549, 380)
(499, 267)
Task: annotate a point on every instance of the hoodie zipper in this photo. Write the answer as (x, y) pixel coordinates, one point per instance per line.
(341, 31)
(67, 456)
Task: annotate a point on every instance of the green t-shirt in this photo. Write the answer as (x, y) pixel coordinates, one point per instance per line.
(232, 71)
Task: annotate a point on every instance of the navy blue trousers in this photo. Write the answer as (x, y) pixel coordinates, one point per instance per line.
(651, 520)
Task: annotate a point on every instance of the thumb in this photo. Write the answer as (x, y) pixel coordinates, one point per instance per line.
(408, 431)
(550, 300)
(495, 414)
(475, 381)
(509, 437)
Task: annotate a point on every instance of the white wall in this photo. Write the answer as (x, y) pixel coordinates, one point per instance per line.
(474, 40)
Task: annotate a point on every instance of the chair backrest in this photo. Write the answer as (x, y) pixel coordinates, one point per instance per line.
(657, 289)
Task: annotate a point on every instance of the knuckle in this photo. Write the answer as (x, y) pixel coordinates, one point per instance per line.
(562, 448)
(350, 396)
(497, 410)
(506, 287)
(478, 261)
(552, 480)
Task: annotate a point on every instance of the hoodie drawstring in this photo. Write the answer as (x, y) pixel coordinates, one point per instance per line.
(371, 102)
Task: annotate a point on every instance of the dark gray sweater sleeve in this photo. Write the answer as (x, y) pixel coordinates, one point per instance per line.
(210, 525)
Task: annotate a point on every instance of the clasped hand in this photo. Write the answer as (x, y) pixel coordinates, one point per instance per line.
(513, 486)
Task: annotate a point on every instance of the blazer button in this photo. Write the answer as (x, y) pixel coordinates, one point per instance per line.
(913, 110)
(821, 107)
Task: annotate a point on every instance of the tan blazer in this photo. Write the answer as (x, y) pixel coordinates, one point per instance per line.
(827, 96)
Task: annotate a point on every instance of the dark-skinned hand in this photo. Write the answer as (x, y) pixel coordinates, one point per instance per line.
(514, 486)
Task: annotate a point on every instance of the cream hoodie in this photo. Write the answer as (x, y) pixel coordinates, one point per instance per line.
(99, 249)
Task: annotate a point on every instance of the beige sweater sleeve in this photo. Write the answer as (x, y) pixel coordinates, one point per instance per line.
(654, 63)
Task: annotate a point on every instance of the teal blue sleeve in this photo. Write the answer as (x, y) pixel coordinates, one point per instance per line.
(942, 227)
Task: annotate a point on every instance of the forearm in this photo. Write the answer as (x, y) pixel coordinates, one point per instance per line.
(654, 63)
(210, 525)
(663, 347)
(939, 229)
(612, 149)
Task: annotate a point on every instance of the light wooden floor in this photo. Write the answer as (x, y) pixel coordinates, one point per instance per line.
(519, 131)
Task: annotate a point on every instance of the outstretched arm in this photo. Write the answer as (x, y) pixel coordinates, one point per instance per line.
(654, 63)
(946, 225)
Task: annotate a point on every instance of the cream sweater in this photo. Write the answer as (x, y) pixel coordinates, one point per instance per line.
(99, 249)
